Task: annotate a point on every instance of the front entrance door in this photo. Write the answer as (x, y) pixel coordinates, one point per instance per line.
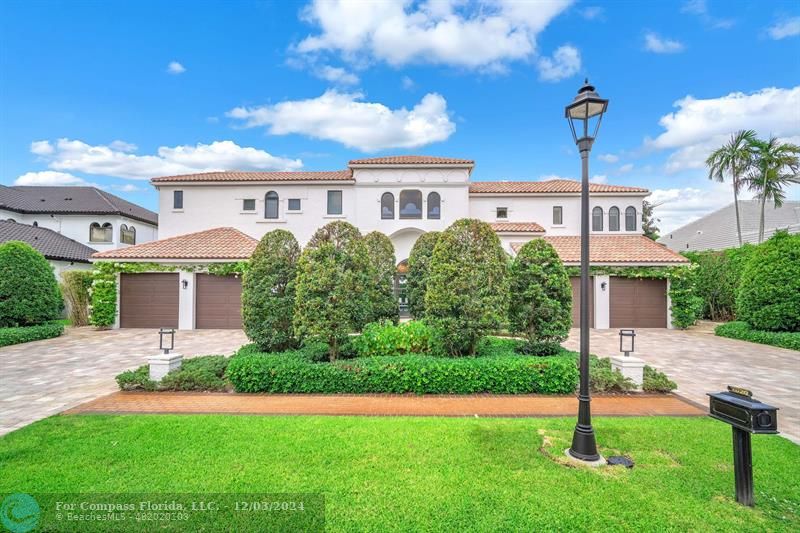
(401, 289)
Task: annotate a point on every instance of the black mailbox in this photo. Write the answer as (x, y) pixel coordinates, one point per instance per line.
(738, 408)
(746, 415)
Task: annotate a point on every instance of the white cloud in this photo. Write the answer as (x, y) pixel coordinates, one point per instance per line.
(175, 68)
(679, 206)
(660, 45)
(408, 83)
(479, 35)
(699, 8)
(49, 177)
(78, 156)
(592, 12)
(599, 178)
(566, 62)
(127, 187)
(608, 158)
(699, 126)
(123, 146)
(41, 148)
(785, 28)
(345, 118)
(336, 75)
(624, 169)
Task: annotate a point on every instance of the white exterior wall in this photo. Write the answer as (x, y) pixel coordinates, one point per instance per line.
(62, 266)
(602, 302)
(76, 227)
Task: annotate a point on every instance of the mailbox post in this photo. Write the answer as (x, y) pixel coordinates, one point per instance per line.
(746, 415)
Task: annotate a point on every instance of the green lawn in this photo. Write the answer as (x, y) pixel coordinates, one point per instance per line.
(401, 474)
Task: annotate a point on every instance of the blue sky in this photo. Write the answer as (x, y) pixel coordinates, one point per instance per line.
(115, 93)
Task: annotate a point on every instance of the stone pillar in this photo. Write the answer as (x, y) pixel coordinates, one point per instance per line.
(602, 302)
(629, 367)
(186, 300)
(162, 364)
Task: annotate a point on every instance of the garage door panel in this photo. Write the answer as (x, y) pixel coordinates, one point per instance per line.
(218, 302)
(638, 303)
(576, 301)
(149, 300)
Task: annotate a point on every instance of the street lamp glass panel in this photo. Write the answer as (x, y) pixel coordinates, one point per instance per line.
(626, 337)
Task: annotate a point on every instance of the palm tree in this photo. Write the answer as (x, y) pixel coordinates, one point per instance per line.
(775, 166)
(734, 158)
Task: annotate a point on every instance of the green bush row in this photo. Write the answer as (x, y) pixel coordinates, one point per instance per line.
(419, 374)
(743, 331)
(205, 373)
(602, 378)
(9, 336)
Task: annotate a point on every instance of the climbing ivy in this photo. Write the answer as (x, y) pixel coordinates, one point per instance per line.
(103, 292)
(686, 305)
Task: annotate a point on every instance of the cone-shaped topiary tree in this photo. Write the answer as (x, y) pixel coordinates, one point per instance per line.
(382, 301)
(467, 292)
(29, 292)
(541, 298)
(769, 289)
(419, 261)
(331, 298)
(268, 291)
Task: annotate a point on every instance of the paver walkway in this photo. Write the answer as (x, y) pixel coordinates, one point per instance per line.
(384, 404)
(700, 362)
(39, 379)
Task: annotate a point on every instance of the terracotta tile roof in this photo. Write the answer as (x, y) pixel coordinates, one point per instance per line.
(411, 160)
(50, 244)
(545, 187)
(217, 243)
(517, 227)
(609, 249)
(236, 175)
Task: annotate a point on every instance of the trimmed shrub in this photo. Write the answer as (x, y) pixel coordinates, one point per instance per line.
(467, 291)
(686, 306)
(330, 291)
(385, 338)
(602, 378)
(29, 293)
(417, 374)
(419, 261)
(541, 298)
(204, 373)
(383, 303)
(716, 279)
(769, 290)
(742, 331)
(9, 336)
(75, 285)
(268, 291)
(656, 381)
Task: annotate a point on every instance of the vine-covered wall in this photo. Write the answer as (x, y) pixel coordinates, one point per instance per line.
(103, 309)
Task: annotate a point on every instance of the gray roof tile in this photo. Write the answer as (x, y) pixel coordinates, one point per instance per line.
(50, 244)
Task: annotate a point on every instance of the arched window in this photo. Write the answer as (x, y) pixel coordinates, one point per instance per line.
(410, 204)
(271, 205)
(597, 219)
(613, 219)
(434, 206)
(630, 219)
(98, 233)
(387, 206)
(127, 235)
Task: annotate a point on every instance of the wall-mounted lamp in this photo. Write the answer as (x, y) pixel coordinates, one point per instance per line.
(626, 346)
(185, 283)
(603, 285)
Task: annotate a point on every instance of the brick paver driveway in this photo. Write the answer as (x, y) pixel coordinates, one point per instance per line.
(42, 378)
(700, 362)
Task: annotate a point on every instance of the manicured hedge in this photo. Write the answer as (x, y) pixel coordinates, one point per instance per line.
(419, 374)
(196, 374)
(9, 336)
(743, 331)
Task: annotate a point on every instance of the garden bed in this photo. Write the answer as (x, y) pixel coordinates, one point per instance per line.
(743, 331)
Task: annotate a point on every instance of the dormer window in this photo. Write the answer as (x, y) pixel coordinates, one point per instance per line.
(98, 233)
(502, 213)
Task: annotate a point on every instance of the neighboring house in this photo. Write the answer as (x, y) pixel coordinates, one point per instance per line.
(62, 252)
(88, 215)
(219, 216)
(717, 230)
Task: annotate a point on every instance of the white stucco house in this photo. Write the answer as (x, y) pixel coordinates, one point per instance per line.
(218, 217)
(68, 224)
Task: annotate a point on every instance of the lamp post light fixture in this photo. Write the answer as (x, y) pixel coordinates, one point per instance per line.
(584, 115)
(166, 334)
(626, 347)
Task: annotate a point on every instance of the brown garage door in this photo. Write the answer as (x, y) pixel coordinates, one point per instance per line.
(576, 302)
(148, 300)
(218, 302)
(638, 303)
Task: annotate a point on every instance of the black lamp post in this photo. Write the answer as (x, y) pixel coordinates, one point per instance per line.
(584, 115)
